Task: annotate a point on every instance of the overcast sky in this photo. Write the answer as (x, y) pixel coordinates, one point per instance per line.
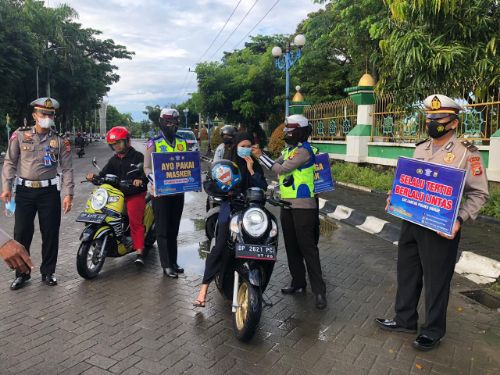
(170, 36)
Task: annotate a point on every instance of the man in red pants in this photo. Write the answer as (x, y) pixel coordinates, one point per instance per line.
(123, 161)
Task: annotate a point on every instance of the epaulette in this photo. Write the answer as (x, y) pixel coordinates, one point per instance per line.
(24, 128)
(421, 141)
(469, 146)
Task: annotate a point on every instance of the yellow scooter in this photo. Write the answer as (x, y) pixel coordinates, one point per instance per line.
(107, 230)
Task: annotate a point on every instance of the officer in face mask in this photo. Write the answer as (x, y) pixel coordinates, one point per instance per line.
(295, 168)
(223, 151)
(426, 257)
(31, 163)
(167, 209)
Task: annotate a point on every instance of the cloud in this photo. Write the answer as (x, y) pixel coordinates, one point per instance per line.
(169, 36)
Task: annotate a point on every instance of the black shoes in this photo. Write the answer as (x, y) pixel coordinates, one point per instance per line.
(178, 269)
(170, 272)
(49, 279)
(139, 260)
(425, 343)
(293, 290)
(391, 325)
(320, 301)
(19, 281)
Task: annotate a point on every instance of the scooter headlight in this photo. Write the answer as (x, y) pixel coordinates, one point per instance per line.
(99, 199)
(255, 222)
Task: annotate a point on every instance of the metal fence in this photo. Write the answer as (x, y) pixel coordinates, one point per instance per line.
(478, 121)
(333, 120)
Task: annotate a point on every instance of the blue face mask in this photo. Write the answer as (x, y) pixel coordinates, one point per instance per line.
(244, 151)
(10, 207)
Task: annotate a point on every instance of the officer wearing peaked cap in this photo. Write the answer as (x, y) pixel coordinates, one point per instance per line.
(424, 256)
(31, 165)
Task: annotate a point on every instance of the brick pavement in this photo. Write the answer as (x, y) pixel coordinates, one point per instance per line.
(131, 321)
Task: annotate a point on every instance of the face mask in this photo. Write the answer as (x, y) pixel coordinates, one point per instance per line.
(291, 138)
(436, 129)
(10, 208)
(169, 131)
(244, 151)
(227, 140)
(46, 122)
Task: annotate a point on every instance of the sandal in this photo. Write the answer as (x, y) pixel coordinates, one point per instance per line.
(199, 303)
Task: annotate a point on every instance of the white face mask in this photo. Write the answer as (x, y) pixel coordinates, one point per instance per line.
(46, 123)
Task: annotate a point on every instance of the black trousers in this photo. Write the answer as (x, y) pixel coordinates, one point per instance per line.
(300, 231)
(215, 259)
(168, 212)
(47, 203)
(424, 258)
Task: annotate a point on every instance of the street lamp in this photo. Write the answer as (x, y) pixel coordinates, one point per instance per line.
(289, 59)
(48, 49)
(186, 111)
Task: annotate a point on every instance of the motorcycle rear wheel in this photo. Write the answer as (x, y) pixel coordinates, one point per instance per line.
(88, 262)
(247, 315)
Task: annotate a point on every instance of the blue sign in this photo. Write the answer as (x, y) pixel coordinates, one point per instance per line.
(323, 180)
(427, 194)
(176, 172)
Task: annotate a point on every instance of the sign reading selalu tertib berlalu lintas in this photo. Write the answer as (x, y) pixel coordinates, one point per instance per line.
(427, 194)
(176, 172)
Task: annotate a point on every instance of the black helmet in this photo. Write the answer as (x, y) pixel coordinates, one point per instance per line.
(229, 130)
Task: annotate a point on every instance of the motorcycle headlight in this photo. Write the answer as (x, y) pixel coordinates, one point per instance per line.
(255, 222)
(99, 199)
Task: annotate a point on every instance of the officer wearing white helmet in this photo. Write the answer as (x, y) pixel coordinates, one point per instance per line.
(31, 163)
(426, 257)
(167, 209)
(295, 168)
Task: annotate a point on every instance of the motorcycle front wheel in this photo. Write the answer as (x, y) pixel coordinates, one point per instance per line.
(88, 260)
(247, 315)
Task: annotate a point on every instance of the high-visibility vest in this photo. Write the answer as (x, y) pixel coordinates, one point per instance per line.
(303, 177)
(161, 145)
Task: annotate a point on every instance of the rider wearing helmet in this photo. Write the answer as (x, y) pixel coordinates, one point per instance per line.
(125, 159)
(224, 149)
(168, 208)
(79, 141)
(300, 223)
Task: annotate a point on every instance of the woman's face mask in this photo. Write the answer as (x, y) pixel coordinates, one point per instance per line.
(243, 152)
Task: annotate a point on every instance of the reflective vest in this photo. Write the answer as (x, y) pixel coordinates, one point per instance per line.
(161, 145)
(303, 177)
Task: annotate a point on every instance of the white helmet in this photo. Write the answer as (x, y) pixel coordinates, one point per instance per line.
(295, 121)
(169, 114)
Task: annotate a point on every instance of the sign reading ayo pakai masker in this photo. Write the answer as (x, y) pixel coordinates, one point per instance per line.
(427, 194)
(176, 172)
(323, 180)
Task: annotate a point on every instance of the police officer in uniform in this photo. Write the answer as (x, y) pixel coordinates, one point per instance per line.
(426, 257)
(300, 221)
(167, 209)
(33, 155)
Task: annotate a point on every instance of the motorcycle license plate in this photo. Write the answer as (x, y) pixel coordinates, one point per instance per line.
(258, 252)
(86, 217)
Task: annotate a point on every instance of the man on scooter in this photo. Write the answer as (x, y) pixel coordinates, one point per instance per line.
(123, 161)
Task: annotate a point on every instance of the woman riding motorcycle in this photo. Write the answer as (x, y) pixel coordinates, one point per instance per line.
(246, 174)
(125, 159)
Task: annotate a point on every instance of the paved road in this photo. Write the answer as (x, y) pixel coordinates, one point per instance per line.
(132, 321)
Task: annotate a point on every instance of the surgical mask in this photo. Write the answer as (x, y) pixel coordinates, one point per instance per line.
(436, 129)
(10, 208)
(243, 152)
(46, 122)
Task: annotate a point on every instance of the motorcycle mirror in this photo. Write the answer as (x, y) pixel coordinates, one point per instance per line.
(94, 163)
(288, 181)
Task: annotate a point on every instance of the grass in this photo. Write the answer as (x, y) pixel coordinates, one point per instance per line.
(380, 179)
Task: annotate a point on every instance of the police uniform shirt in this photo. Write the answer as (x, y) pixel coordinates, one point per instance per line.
(25, 157)
(464, 155)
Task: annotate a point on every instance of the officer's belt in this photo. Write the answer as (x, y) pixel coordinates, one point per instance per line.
(37, 184)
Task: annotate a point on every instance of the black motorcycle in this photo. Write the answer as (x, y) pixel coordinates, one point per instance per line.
(249, 259)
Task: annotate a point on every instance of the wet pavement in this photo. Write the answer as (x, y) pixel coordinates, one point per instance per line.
(137, 321)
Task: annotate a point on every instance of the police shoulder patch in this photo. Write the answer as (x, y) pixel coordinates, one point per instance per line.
(469, 146)
(421, 141)
(150, 144)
